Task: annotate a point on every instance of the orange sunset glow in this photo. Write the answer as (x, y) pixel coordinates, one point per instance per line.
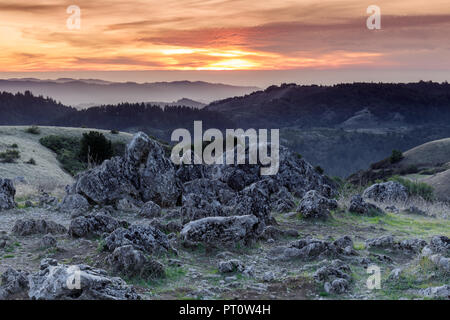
(222, 35)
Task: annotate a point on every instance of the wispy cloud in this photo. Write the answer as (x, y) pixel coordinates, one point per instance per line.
(222, 35)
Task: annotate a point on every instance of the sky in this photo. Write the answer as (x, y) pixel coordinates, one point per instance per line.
(235, 41)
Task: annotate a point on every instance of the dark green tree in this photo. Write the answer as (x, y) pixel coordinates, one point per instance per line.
(95, 148)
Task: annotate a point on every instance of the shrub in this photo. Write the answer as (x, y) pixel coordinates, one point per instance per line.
(9, 156)
(114, 131)
(396, 156)
(33, 130)
(14, 146)
(416, 188)
(409, 170)
(67, 150)
(95, 147)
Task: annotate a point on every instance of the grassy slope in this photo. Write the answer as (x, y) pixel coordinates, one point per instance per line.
(47, 172)
(430, 154)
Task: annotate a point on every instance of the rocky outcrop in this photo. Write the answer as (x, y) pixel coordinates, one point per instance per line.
(147, 239)
(7, 193)
(48, 241)
(14, 284)
(407, 246)
(143, 174)
(56, 281)
(94, 225)
(315, 206)
(150, 210)
(309, 248)
(438, 251)
(129, 262)
(26, 227)
(358, 205)
(335, 277)
(230, 266)
(387, 191)
(436, 292)
(222, 230)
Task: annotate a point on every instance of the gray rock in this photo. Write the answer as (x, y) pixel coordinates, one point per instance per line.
(14, 284)
(7, 193)
(225, 230)
(130, 262)
(384, 242)
(230, 266)
(387, 191)
(337, 286)
(127, 205)
(59, 282)
(315, 206)
(309, 248)
(94, 225)
(147, 239)
(143, 174)
(26, 227)
(150, 210)
(48, 241)
(415, 210)
(74, 203)
(343, 242)
(436, 292)
(395, 274)
(358, 205)
(392, 209)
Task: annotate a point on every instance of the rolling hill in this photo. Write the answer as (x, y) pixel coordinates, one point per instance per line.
(91, 92)
(47, 172)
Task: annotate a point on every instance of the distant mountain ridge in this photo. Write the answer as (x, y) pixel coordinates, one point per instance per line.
(75, 92)
(331, 106)
(343, 128)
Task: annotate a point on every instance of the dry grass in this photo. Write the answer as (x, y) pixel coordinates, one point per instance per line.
(437, 209)
(47, 173)
(430, 154)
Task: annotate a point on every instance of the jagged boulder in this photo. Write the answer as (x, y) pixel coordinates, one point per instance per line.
(94, 225)
(48, 241)
(230, 266)
(358, 205)
(14, 284)
(222, 230)
(56, 281)
(74, 203)
(7, 193)
(145, 238)
(315, 206)
(335, 277)
(253, 200)
(130, 262)
(282, 201)
(205, 198)
(143, 174)
(438, 251)
(387, 191)
(150, 210)
(26, 227)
